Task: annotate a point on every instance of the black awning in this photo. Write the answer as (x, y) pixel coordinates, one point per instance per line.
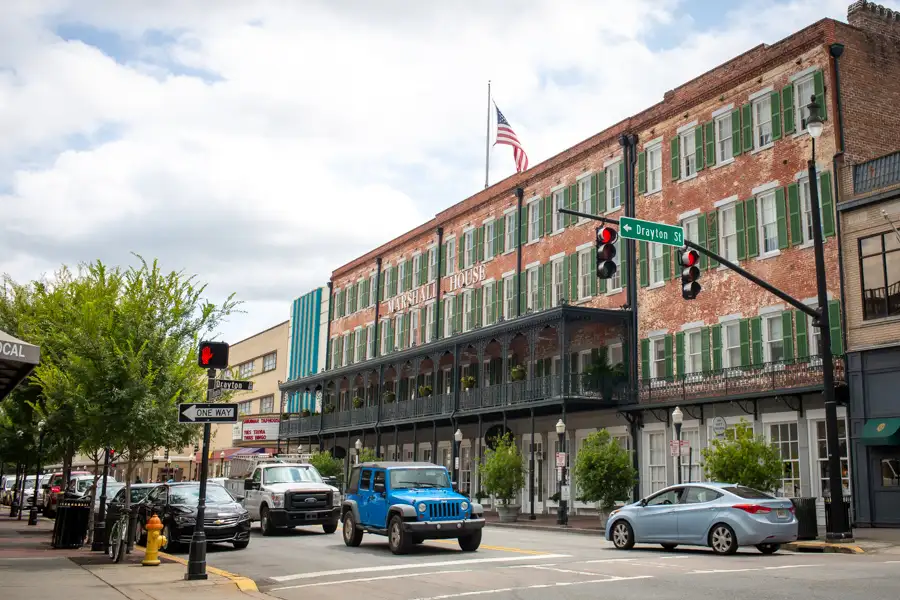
(17, 360)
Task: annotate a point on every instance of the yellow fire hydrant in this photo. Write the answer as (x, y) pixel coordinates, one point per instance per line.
(155, 541)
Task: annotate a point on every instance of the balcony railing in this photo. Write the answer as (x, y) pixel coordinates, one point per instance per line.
(875, 174)
(768, 378)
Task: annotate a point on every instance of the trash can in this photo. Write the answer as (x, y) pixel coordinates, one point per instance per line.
(805, 510)
(845, 508)
(71, 525)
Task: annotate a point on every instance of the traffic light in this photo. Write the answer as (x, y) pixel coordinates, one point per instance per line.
(213, 355)
(606, 252)
(167, 454)
(690, 272)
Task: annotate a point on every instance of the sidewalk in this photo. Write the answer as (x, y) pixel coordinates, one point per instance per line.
(30, 568)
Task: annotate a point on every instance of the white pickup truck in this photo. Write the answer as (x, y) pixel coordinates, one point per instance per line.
(282, 494)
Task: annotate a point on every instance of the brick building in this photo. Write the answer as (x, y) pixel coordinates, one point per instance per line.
(490, 315)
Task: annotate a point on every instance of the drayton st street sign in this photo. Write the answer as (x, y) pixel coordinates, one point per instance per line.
(648, 231)
(207, 413)
(229, 385)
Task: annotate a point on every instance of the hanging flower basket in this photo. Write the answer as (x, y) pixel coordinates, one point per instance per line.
(425, 391)
(389, 397)
(468, 382)
(517, 373)
(358, 402)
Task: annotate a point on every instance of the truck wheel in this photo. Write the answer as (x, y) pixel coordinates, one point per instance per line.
(470, 543)
(265, 523)
(399, 541)
(329, 527)
(352, 534)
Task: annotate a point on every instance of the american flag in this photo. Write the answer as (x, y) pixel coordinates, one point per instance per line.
(505, 135)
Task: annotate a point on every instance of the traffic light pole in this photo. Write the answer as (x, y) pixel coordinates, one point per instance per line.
(196, 567)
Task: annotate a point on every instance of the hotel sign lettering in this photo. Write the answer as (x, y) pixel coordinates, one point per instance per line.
(465, 278)
(422, 294)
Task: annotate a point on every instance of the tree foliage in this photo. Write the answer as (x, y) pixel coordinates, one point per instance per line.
(326, 464)
(744, 459)
(503, 470)
(367, 455)
(604, 471)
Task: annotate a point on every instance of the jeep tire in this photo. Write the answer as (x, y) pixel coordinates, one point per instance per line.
(470, 543)
(352, 534)
(265, 522)
(399, 541)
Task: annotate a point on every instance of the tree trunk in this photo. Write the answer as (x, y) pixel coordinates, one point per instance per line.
(93, 496)
(67, 462)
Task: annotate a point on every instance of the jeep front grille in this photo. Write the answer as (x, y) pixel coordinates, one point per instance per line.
(447, 509)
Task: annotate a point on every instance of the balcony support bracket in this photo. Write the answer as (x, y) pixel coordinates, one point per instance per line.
(794, 403)
(698, 417)
(753, 410)
(664, 417)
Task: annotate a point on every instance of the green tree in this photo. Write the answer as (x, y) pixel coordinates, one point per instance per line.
(744, 459)
(503, 470)
(604, 471)
(367, 455)
(326, 464)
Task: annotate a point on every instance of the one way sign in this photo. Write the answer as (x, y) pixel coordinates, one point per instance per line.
(207, 413)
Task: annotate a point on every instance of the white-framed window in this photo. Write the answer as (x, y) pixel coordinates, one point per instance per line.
(559, 219)
(245, 370)
(614, 354)
(731, 345)
(693, 351)
(584, 274)
(688, 154)
(656, 262)
(762, 122)
(657, 358)
(432, 263)
(724, 149)
(534, 221)
(413, 328)
(768, 223)
(728, 232)
(773, 339)
(613, 195)
(690, 464)
(373, 289)
(267, 405)
(488, 244)
(509, 308)
(786, 439)
(806, 207)
(488, 295)
(370, 341)
(385, 338)
(584, 195)
(416, 266)
(451, 256)
(804, 89)
(346, 350)
(244, 408)
(401, 277)
(615, 282)
(429, 318)
(511, 240)
(348, 301)
(822, 472)
(469, 248)
(813, 337)
(532, 288)
(559, 283)
(654, 168)
(656, 463)
(691, 227)
(468, 313)
(270, 361)
(448, 316)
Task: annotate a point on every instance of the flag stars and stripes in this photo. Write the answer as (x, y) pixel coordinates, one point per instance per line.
(506, 136)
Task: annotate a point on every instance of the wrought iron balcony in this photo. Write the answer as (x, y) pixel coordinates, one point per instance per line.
(879, 173)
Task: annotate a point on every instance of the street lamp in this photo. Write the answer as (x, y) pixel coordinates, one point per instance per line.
(678, 419)
(562, 516)
(358, 446)
(222, 464)
(33, 515)
(838, 526)
(457, 440)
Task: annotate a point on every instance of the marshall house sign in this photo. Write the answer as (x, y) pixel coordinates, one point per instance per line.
(422, 294)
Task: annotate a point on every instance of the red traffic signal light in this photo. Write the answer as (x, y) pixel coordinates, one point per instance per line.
(213, 355)
(606, 252)
(690, 273)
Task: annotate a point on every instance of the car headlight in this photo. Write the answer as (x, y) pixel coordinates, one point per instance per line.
(184, 519)
(421, 507)
(278, 500)
(614, 512)
(335, 498)
(464, 506)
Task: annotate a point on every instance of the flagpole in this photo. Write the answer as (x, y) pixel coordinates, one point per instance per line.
(487, 140)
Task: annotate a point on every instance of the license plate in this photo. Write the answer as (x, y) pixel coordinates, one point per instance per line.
(781, 513)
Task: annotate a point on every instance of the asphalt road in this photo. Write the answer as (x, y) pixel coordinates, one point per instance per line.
(517, 564)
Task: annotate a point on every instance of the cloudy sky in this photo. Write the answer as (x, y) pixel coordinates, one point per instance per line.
(260, 144)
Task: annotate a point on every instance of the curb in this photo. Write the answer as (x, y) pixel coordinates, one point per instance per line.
(556, 528)
(825, 547)
(244, 584)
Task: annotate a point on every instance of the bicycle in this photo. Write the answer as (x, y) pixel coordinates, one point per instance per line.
(118, 534)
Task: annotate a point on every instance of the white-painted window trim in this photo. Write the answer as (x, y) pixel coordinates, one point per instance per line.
(723, 111)
(725, 201)
(583, 176)
(768, 310)
(686, 127)
(730, 318)
(761, 189)
(584, 246)
(687, 215)
(761, 93)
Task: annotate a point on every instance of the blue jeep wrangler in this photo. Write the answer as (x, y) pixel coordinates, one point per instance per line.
(409, 503)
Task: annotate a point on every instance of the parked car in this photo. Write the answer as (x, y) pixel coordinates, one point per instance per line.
(6, 490)
(408, 503)
(723, 516)
(116, 503)
(80, 486)
(176, 505)
(52, 485)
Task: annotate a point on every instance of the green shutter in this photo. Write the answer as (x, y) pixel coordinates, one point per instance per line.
(423, 325)
(827, 204)
(498, 300)
(747, 127)
(364, 294)
(573, 278)
(548, 214)
(756, 339)
(439, 317)
(801, 320)
(674, 147)
(643, 265)
(736, 132)
(717, 347)
(457, 313)
(645, 359)
(787, 333)
(704, 350)
(500, 236)
(709, 132)
(701, 235)
(793, 199)
(698, 146)
(382, 285)
(593, 273)
(739, 227)
(834, 322)
(787, 108)
(781, 215)
(775, 105)
(473, 310)
(712, 235)
(621, 182)
(395, 274)
(573, 202)
(461, 252)
(819, 89)
(744, 328)
(409, 275)
(752, 233)
(479, 244)
(667, 345)
(599, 204)
(679, 353)
(593, 203)
(547, 291)
(522, 226)
(642, 173)
(623, 263)
(443, 260)
(601, 285)
(667, 262)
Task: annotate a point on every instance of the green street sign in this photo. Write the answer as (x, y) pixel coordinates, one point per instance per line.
(648, 231)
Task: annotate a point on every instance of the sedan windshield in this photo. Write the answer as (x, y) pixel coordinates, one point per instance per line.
(419, 478)
(292, 475)
(190, 495)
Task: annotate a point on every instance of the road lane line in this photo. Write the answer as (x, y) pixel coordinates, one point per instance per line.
(721, 571)
(497, 548)
(790, 567)
(609, 560)
(414, 565)
(365, 579)
(892, 562)
(549, 568)
(532, 587)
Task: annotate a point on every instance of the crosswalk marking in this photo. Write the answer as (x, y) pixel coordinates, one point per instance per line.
(533, 587)
(366, 579)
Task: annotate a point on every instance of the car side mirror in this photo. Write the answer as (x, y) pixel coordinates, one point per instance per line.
(643, 502)
(379, 488)
(248, 484)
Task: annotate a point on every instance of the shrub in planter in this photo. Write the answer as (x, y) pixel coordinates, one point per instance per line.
(503, 476)
(329, 408)
(389, 397)
(517, 373)
(305, 412)
(358, 402)
(604, 472)
(601, 376)
(467, 382)
(326, 464)
(745, 458)
(425, 391)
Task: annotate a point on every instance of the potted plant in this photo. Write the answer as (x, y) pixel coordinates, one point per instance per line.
(604, 473)
(305, 412)
(425, 391)
(602, 377)
(517, 373)
(329, 408)
(389, 397)
(468, 382)
(358, 402)
(503, 476)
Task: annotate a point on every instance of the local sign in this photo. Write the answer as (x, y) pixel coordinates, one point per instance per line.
(682, 449)
(196, 412)
(229, 385)
(648, 231)
(260, 429)
(465, 278)
(419, 295)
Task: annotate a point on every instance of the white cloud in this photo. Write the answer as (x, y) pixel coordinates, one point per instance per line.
(320, 129)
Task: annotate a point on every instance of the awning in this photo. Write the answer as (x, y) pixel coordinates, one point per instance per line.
(17, 361)
(217, 454)
(246, 451)
(881, 432)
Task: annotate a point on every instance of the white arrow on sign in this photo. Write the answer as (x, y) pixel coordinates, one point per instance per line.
(626, 227)
(190, 412)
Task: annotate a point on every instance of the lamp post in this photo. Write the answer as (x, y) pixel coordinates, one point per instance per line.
(98, 542)
(562, 516)
(839, 528)
(17, 499)
(358, 446)
(677, 420)
(33, 515)
(457, 440)
(222, 463)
